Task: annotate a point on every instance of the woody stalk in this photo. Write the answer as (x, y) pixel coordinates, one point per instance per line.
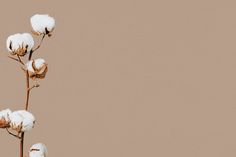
(21, 47)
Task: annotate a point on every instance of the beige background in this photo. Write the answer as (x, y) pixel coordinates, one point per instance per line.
(128, 78)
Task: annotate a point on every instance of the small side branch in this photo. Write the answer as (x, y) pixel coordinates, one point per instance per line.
(17, 59)
(20, 60)
(17, 136)
(34, 86)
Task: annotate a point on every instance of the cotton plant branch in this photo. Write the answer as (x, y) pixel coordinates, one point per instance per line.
(17, 136)
(19, 46)
(17, 59)
(34, 86)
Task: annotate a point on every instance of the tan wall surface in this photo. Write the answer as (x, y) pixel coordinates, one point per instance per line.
(127, 78)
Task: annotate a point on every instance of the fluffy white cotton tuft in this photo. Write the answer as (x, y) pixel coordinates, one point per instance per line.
(13, 42)
(28, 40)
(20, 43)
(21, 120)
(42, 23)
(29, 66)
(38, 63)
(4, 115)
(38, 150)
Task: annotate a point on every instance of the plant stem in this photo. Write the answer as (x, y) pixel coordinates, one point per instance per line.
(26, 108)
(22, 145)
(27, 90)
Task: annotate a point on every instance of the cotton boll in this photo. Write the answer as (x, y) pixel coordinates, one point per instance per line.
(4, 114)
(37, 68)
(16, 121)
(28, 41)
(29, 66)
(38, 150)
(35, 65)
(4, 118)
(13, 42)
(42, 24)
(21, 120)
(28, 120)
(20, 44)
(39, 63)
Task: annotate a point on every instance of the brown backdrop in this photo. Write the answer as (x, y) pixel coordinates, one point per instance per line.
(128, 78)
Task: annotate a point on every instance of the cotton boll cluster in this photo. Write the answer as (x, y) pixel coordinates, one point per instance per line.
(19, 121)
(4, 118)
(37, 68)
(42, 24)
(20, 44)
(38, 150)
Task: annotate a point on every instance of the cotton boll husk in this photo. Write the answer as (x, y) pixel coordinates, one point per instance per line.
(38, 150)
(42, 23)
(21, 120)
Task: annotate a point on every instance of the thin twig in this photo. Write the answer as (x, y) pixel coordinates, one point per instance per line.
(15, 59)
(34, 86)
(20, 60)
(13, 134)
(22, 68)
